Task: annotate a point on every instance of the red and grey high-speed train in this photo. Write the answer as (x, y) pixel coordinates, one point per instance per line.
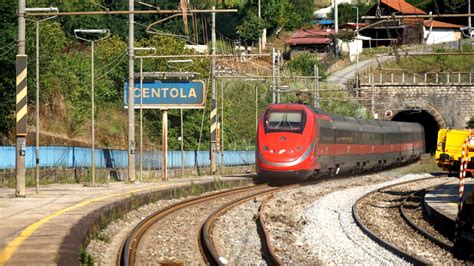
(299, 141)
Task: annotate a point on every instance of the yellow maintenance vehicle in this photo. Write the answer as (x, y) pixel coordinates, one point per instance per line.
(448, 156)
(449, 148)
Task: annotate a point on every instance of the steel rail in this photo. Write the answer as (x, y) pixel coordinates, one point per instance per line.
(208, 247)
(126, 255)
(423, 232)
(399, 252)
(272, 257)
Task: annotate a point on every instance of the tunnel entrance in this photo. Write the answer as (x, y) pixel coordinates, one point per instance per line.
(427, 121)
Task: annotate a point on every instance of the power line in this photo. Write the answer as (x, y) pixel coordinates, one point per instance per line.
(11, 48)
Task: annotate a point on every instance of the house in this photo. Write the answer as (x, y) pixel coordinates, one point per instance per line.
(311, 39)
(439, 32)
(400, 30)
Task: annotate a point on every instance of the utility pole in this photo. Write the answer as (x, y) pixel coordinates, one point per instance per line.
(336, 24)
(92, 41)
(260, 35)
(222, 125)
(316, 85)
(372, 102)
(336, 29)
(213, 96)
(469, 17)
(273, 77)
(131, 98)
(37, 24)
(21, 103)
(278, 55)
(357, 52)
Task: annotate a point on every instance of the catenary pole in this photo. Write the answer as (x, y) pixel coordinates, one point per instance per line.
(141, 119)
(182, 141)
(131, 98)
(93, 115)
(21, 103)
(213, 96)
(37, 174)
(357, 52)
(273, 77)
(222, 126)
(316, 85)
(260, 35)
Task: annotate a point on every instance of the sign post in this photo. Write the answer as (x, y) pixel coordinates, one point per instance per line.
(165, 95)
(164, 145)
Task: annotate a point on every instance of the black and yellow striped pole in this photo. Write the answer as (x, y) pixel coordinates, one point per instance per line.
(213, 99)
(21, 102)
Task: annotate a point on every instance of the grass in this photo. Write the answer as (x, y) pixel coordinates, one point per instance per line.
(85, 258)
(423, 166)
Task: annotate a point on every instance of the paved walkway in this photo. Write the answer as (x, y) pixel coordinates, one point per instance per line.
(349, 73)
(33, 228)
(444, 199)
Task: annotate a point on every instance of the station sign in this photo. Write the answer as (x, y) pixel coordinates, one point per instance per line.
(168, 94)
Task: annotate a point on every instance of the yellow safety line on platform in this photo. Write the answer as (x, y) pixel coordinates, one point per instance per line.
(13, 245)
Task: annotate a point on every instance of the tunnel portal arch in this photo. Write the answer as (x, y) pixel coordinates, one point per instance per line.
(431, 121)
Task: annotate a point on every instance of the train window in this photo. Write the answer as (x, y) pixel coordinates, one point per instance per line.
(285, 121)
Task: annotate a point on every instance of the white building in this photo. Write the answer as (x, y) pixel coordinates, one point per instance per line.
(439, 32)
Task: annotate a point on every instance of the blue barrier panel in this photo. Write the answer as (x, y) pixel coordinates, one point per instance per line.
(80, 157)
(7, 157)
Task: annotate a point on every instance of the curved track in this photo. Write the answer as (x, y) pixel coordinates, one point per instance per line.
(398, 251)
(209, 246)
(419, 229)
(127, 254)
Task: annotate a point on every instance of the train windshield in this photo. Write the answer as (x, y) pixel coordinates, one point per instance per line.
(285, 121)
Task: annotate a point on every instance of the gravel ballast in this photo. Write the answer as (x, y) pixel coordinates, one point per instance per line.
(333, 235)
(311, 224)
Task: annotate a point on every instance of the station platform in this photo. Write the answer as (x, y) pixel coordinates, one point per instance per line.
(441, 203)
(45, 228)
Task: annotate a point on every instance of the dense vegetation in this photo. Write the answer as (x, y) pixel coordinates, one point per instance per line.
(65, 65)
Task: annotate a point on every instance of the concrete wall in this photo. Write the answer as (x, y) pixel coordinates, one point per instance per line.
(450, 105)
(442, 35)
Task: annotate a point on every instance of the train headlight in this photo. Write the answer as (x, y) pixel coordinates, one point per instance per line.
(272, 151)
(265, 148)
(291, 151)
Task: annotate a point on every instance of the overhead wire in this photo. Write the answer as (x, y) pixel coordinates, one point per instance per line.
(8, 45)
(8, 51)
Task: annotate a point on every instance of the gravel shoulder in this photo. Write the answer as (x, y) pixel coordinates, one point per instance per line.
(333, 235)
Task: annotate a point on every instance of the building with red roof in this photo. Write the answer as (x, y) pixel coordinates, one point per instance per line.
(400, 31)
(439, 32)
(311, 39)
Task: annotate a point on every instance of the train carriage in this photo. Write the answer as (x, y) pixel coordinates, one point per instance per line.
(299, 141)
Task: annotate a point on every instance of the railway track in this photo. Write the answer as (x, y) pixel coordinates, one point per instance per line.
(396, 203)
(130, 251)
(211, 247)
(415, 200)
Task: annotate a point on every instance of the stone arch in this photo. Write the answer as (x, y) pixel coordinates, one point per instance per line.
(430, 109)
(426, 115)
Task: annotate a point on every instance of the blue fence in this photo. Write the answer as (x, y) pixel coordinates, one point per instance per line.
(77, 157)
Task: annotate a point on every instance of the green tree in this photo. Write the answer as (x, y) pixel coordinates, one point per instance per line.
(8, 26)
(303, 64)
(250, 28)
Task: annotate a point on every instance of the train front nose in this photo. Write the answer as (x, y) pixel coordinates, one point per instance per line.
(284, 142)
